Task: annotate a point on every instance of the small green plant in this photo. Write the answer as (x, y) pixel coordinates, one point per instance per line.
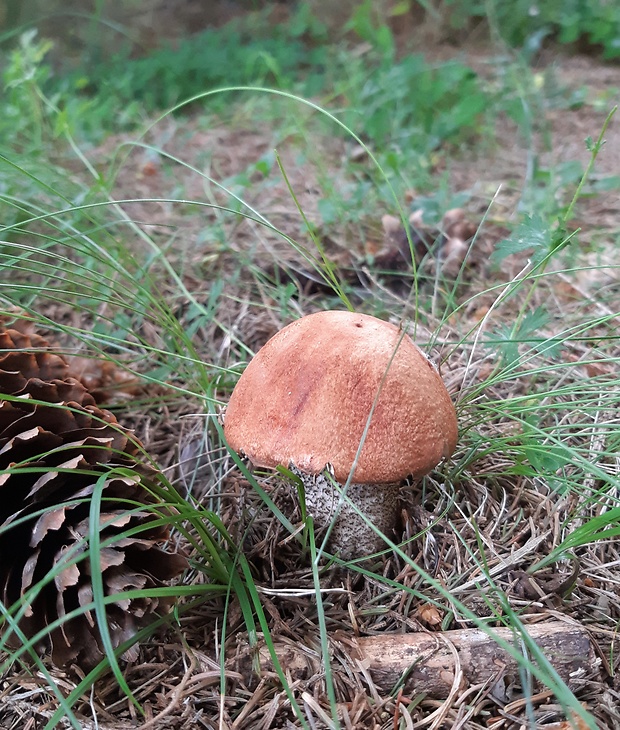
(212, 59)
(521, 22)
(536, 232)
(412, 105)
(369, 23)
(25, 115)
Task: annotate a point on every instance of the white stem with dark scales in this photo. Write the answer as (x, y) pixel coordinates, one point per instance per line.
(351, 537)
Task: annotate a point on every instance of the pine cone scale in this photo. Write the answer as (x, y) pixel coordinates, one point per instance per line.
(27, 576)
(51, 520)
(67, 577)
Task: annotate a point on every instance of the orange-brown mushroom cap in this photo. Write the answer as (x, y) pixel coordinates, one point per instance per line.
(306, 397)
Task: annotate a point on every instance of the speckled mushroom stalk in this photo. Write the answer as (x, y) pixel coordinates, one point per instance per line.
(322, 386)
(351, 535)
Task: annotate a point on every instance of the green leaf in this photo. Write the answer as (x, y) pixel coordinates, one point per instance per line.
(328, 211)
(400, 8)
(506, 339)
(547, 459)
(533, 233)
(604, 184)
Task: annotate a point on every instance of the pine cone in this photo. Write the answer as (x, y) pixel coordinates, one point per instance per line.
(55, 444)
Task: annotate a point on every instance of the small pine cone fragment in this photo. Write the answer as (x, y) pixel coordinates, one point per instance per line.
(56, 448)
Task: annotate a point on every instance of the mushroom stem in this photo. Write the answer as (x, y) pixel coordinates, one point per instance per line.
(351, 536)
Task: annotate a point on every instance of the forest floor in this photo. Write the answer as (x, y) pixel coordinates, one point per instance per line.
(476, 527)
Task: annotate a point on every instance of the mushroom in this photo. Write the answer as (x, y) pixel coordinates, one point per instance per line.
(347, 397)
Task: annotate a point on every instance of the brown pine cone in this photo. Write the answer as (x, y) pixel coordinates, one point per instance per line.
(55, 444)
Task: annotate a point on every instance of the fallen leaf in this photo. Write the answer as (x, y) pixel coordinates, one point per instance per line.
(430, 615)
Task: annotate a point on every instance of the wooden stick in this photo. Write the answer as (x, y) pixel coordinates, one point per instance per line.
(429, 662)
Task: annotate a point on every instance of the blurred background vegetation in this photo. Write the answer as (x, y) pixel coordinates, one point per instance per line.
(412, 78)
(137, 26)
(137, 57)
